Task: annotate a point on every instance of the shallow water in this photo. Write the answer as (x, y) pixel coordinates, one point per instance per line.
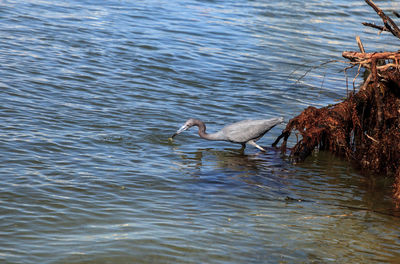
(91, 92)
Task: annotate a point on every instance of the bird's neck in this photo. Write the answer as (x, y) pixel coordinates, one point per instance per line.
(212, 136)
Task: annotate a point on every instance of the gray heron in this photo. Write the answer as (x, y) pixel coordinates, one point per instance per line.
(242, 132)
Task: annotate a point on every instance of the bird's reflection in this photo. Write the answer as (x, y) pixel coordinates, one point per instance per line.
(236, 160)
(233, 159)
(256, 169)
(272, 175)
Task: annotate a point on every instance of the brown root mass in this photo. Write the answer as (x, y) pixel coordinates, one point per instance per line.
(365, 128)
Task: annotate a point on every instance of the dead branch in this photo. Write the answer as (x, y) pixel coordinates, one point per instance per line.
(375, 26)
(387, 61)
(366, 57)
(387, 21)
(360, 45)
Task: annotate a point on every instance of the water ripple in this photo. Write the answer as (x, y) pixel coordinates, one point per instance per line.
(91, 93)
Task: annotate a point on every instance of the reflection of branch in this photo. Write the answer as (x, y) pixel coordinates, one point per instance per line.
(389, 24)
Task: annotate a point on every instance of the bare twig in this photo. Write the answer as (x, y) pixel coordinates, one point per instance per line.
(360, 45)
(366, 82)
(388, 66)
(355, 77)
(347, 79)
(387, 21)
(315, 67)
(375, 26)
(373, 139)
(366, 57)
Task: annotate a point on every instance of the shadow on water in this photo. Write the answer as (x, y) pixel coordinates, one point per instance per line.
(248, 173)
(321, 179)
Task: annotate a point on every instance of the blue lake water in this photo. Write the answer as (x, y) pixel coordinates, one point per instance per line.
(91, 91)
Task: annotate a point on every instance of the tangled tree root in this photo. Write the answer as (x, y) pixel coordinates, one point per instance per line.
(365, 128)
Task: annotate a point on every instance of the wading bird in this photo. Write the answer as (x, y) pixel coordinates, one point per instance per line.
(242, 132)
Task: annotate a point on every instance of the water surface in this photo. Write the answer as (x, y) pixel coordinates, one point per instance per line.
(92, 91)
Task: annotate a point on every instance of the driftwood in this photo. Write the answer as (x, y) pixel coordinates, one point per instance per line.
(365, 128)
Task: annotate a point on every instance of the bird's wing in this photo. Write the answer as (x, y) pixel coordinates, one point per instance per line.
(246, 130)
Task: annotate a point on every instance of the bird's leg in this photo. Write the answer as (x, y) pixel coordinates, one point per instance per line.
(242, 148)
(251, 142)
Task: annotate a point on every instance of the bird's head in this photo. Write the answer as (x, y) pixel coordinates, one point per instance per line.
(188, 124)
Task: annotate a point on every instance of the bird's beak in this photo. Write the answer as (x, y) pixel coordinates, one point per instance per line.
(180, 130)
